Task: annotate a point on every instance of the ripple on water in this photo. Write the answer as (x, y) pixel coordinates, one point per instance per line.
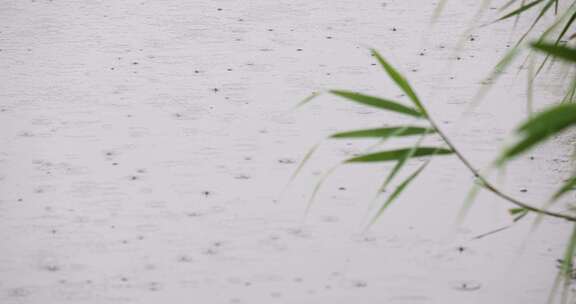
(466, 285)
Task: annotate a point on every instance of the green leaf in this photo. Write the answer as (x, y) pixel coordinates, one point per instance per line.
(507, 5)
(319, 184)
(551, 120)
(521, 215)
(438, 10)
(567, 262)
(398, 191)
(400, 81)
(517, 19)
(500, 67)
(303, 162)
(569, 185)
(518, 213)
(515, 211)
(569, 97)
(558, 39)
(566, 28)
(384, 132)
(530, 86)
(520, 10)
(539, 128)
(307, 99)
(378, 103)
(401, 162)
(540, 15)
(470, 199)
(398, 154)
(558, 51)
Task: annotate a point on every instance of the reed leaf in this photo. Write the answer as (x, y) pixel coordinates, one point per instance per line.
(395, 155)
(569, 185)
(378, 102)
(520, 10)
(539, 128)
(557, 51)
(399, 164)
(397, 192)
(400, 81)
(383, 133)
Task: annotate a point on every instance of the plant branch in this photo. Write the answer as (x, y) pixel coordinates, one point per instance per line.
(489, 186)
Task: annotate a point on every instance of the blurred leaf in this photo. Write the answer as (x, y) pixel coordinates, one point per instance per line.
(398, 191)
(307, 99)
(571, 93)
(518, 213)
(508, 4)
(536, 20)
(304, 160)
(539, 128)
(398, 154)
(530, 86)
(319, 184)
(556, 2)
(558, 39)
(551, 120)
(569, 185)
(500, 67)
(400, 81)
(552, 28)
(515, 211)
(567, 262)
(438, 10)
(521, 215)
(520, 10)
(518, 16)
(384, 132)
(558, 51)
(378, 102)
(468, 201)
(399, 164)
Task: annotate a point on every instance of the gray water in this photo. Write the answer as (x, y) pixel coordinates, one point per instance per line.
(146, 146)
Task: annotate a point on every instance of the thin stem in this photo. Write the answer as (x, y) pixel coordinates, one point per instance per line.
(486, 184)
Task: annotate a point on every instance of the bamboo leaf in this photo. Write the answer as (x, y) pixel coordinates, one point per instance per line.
(530, 86)
(569, 185)
(550, 120)
(521, 216)
(571, 93)
(519, 15)
(567, 262)
(557, 51)
(539, 128)
(468, 201)
(500, 67)
(515, 211)
(399, 164)
(438, 10)
(536, 20)
(518, 213)
(507, 5)
(384, 132)
(520, 10)
(307, 99)
(519, 148)
(377, 102)
(303, 162)
(400, 81)
(558, 39)
(319, 184)
(397, 192)
(393, 155)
